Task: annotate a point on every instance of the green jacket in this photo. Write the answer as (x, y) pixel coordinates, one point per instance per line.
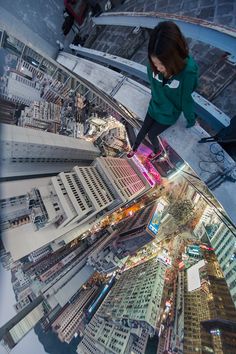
(174, 97)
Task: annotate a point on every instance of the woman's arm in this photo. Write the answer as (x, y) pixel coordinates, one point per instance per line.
(189, 85)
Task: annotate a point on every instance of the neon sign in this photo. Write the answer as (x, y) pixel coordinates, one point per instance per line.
(144, 171)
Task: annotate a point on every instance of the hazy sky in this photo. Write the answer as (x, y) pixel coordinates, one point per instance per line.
(30, 343)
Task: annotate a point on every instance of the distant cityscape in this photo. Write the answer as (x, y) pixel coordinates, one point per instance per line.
(118, 255)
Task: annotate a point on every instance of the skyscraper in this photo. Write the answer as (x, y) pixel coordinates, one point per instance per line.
(205, 316)
(72, 202)
(68, 322)
(135, 299)
(129, 313)
(222, 239)
(51, 299)
(27, 152)
(124, 176)
(133, 232)
(221, 236)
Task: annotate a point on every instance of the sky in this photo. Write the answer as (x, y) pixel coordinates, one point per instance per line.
(30, 343)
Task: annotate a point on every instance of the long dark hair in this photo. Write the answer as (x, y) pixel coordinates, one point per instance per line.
(168, 44)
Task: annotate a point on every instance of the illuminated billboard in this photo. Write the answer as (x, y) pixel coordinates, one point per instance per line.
(154, 223)
(194, 250)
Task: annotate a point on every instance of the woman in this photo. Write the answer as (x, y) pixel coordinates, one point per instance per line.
(173, 76)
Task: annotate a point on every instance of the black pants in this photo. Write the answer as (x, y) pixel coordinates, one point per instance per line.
(153, 129)
(67, 24)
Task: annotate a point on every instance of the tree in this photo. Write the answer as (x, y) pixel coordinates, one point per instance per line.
(182, 211)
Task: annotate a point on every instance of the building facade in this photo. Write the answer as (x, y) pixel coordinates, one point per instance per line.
(40, 253)
(15, 329)
(222, 239)
(124, 176)
(68, 322)
(135, 299)
(102, 337)
(28, 152)
(129, 313)
(14, 211)
(205, 315)
(72, 199)
(133, 232)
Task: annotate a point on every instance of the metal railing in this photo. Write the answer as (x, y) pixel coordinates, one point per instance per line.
(207, 32)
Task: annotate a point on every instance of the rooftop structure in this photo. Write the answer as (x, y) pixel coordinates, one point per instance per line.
(113, 141)
(106, 258)
(15, 329)
(135, 97)
(102, 337)
(134, 232)
(41, 115)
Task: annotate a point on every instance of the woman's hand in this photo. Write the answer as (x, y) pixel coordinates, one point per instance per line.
(190, 124)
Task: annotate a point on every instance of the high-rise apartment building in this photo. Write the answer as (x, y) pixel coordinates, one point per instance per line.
(51, 299)
(97, 337)
(177, 339)
(205, 316)
(129, 313)
(68, 322)
(199, 230)
(72, 199)
(27, 152)
(54, 298)
(124, 176)
(135, 299)
(222, 239)
(211, 229)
